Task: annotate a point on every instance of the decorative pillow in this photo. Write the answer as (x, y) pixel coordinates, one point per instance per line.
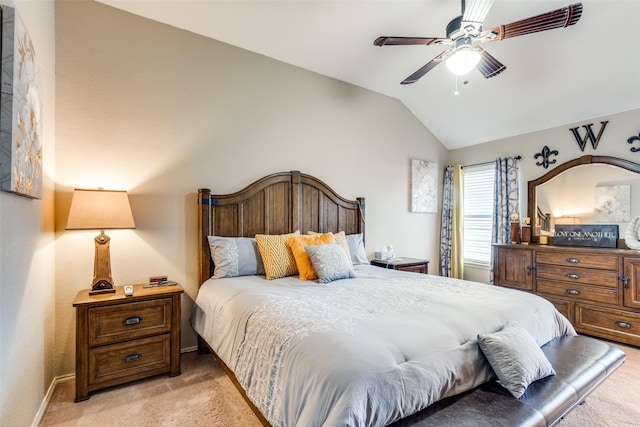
(330, 262)
(297, 245)
(515, 357)
(235, 256)
(356, 249)
(342, 240)
(276, 255)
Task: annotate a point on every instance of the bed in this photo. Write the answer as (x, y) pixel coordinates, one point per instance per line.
(377, 348)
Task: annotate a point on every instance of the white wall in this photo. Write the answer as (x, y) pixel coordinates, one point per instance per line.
(161, 112)
(619, 129)
(27, 285)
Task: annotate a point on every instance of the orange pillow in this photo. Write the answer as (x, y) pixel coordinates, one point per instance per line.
(303, 262)
(276, 256)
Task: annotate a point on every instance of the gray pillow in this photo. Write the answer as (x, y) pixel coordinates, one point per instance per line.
(515, 357)
(356, 249)
(235, 256)
(330, 262)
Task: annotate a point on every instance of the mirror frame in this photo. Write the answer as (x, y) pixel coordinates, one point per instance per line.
(584, 160)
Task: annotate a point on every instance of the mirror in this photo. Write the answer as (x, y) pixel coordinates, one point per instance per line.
(589, 189)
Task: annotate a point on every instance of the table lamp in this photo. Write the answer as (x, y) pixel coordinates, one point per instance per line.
(100, 210)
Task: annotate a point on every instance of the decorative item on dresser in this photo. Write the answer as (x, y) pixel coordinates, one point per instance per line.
(122, 338)
(404, 264)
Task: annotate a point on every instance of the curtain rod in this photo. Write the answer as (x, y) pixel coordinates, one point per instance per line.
(486, 163)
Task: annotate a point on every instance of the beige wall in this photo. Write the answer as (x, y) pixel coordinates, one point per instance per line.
(160, 112)
(27, 285)
(613, 142)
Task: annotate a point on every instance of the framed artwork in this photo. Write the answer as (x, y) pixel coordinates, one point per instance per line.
(424, 186)
(613, 203)
(20, 110)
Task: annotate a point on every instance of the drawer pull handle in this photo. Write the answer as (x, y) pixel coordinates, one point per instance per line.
(572, 275)
(623, 324)
(132, 357)
(573, 260)
(132, 320)
(573, 292)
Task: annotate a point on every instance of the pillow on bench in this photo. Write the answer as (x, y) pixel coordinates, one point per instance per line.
(515, 357)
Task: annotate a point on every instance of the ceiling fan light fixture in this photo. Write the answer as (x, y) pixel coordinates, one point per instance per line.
(463, 61)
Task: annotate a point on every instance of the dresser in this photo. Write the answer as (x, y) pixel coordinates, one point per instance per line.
(597, 289)
(123, 338)
(404, 264)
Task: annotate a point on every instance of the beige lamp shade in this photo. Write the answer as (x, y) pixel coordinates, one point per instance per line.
(100, 210)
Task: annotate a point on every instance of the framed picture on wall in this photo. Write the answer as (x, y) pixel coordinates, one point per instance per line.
(612, 203)
(20, 110)
(424, 186)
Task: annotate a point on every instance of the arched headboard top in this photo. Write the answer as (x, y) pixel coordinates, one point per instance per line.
(275, 204)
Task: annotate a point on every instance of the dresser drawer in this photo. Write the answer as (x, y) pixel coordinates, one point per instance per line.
(578, 275)
(581, 260)
(617, 325)
(577, 291)
(564, 306)
(111, 324)
(118, 363)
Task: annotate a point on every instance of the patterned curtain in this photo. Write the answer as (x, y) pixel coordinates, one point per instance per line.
(506, 197)
(451, 260)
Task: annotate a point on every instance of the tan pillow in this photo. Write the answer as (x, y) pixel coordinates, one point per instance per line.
(276, 255)
(342, 239)
(303, 262)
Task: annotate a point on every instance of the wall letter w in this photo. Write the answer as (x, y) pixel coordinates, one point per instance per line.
(588, 136)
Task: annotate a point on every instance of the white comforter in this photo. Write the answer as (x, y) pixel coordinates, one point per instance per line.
(359, 352)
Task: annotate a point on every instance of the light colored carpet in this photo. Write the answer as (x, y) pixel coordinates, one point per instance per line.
(204, 396)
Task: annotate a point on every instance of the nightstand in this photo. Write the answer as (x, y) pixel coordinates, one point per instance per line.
(125, 338)
(404, 264)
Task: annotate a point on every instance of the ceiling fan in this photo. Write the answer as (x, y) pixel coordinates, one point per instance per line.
(465, 34)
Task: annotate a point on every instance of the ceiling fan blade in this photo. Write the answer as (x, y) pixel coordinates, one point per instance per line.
(475, 11)
(425, 69)
(559, 18)
(488, 65)
(394, 41)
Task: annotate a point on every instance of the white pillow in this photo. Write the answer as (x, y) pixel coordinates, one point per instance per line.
(515, 357)
(356, 249)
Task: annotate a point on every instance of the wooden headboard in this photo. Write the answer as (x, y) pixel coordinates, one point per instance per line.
(276, 204)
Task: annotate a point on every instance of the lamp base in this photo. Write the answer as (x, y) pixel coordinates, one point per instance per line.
(102, 291)
(102, 287)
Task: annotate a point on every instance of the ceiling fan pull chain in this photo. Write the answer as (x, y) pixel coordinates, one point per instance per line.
(456, 91)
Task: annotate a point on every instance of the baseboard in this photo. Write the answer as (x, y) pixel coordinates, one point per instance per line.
(47, 397)
(63, 378)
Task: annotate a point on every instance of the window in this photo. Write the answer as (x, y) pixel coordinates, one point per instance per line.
(478, 182)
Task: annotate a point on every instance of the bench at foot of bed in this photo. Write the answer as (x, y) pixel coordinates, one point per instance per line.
(581, 364)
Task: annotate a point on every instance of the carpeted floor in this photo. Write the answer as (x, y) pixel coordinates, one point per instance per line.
(204, 396)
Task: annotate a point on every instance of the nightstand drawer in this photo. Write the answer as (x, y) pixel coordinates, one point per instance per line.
(111, 324)
(118, 363)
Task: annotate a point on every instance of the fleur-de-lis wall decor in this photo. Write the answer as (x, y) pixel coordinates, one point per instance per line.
(633, 139)
(545, 154)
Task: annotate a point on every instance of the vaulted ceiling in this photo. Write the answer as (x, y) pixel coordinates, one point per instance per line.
(553, 78)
